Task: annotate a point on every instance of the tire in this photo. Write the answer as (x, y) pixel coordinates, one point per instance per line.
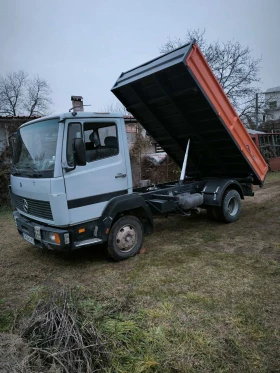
(125, 238)
(230, 210)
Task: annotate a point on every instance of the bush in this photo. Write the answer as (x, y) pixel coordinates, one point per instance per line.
(4, 184)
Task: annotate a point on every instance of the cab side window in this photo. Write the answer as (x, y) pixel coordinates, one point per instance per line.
(101, 141)
(74, 131)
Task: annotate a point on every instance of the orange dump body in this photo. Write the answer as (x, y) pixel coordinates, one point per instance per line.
(207, 80)
(176, 97)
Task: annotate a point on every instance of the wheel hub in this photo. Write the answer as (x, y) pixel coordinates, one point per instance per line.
(126, 238)
(232, 206)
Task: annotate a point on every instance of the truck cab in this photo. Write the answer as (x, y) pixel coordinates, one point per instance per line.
(65, 170)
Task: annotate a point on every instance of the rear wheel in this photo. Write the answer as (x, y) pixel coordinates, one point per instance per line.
(125, 238)
(230, 210)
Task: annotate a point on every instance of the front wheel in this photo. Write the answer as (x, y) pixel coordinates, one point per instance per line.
(125, 238)
(230, 210)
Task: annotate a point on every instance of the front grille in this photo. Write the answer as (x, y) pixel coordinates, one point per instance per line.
(41, 209)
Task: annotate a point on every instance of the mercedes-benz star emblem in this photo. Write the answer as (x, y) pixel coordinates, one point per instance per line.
(25, 205)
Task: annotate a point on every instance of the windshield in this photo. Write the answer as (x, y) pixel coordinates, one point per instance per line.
(35, 148)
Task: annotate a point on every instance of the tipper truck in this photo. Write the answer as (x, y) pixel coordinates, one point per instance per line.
(71, 182)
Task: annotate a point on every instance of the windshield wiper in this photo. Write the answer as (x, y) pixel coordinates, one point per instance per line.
(37, 174)
(17, 171)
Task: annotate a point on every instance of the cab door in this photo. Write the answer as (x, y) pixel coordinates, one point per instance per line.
(90, 187)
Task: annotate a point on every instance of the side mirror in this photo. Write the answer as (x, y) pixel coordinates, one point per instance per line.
(79, 152)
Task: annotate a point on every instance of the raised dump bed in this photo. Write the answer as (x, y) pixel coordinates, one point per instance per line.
(176, 97)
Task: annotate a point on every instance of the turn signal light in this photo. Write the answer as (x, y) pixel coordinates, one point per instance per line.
(57, 238)
(81, 230)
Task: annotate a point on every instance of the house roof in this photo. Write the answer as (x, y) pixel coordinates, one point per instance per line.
(271, 90)
(9, 120)
(22, 119)
(254, 132)
(19, 117)
(128, 118)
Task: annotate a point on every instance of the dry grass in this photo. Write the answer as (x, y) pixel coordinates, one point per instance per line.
(204, 298)
(62, 339)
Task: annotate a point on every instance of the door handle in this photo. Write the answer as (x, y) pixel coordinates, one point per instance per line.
(118, 176)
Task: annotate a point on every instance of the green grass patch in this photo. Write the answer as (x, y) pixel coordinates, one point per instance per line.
(5, 208)
(6, 321)
(6, 318)
(272, 176)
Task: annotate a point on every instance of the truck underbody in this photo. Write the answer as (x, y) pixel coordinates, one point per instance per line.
(143, 203)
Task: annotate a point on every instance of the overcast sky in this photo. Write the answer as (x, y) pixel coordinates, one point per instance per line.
(81, 47)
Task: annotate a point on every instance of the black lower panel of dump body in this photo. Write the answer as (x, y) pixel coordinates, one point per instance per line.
(169, 103)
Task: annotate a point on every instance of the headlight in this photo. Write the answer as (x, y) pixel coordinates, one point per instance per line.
(52, 237)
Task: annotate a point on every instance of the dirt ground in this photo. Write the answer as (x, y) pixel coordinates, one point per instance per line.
(212, 288)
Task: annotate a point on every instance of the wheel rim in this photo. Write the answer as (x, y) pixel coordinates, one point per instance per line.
(233, 206)
(126, 238)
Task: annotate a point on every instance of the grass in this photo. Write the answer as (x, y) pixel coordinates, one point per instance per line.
(6, 320)
(204, 298)
(5, 208)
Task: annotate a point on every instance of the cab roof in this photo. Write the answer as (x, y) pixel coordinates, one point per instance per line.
(78, 114)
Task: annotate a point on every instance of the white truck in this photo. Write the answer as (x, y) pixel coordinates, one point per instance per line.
(71, 183)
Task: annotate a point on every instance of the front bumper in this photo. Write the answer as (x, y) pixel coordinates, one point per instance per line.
(53, 238)
(42, 236)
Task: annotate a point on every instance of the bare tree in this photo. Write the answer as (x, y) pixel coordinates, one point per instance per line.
(233, 65)
(191, 35)
(21, 95)
(12, 88)
(115, 107)
(37, 98)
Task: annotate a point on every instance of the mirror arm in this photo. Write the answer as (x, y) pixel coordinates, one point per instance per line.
(67, 168)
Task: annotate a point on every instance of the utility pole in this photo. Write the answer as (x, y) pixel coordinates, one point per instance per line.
(257, 110)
